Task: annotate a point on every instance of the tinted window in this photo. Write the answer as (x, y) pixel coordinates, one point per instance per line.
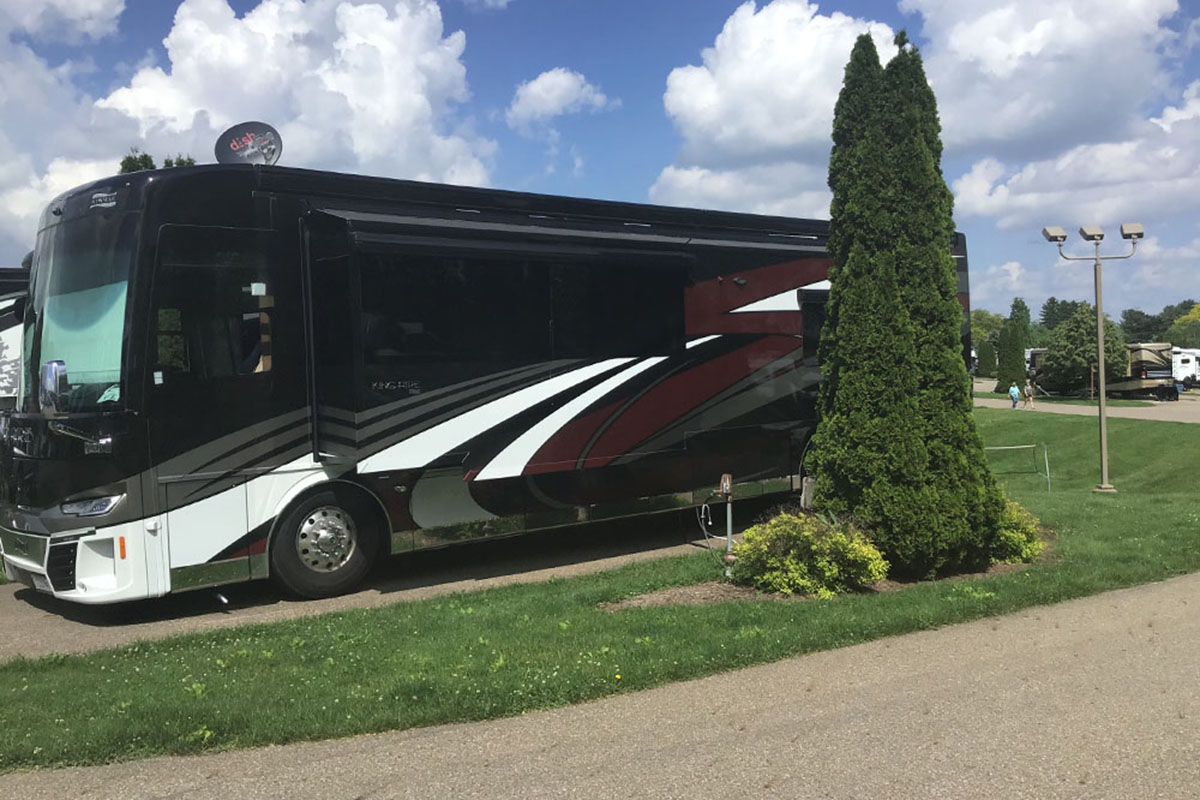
(214, 304)
(617, 308)
(430, 321)
(436, 320)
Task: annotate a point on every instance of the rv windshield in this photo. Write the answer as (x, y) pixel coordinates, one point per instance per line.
(76, 310)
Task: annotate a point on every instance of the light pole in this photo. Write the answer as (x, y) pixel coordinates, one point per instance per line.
(1131, 231)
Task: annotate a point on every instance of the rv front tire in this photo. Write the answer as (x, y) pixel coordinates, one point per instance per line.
(324, 545)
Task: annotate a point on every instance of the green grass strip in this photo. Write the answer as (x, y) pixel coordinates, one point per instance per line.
(513, 649)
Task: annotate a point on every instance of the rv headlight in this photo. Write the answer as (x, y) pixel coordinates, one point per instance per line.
(92, 507)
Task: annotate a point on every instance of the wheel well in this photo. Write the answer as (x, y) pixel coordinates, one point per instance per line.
(378, 514)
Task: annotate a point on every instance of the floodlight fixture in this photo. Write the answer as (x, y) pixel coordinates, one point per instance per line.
(1132, 230)
(1055, 234)
(1092, 233)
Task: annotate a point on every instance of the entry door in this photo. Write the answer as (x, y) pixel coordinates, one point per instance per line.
(215, 411)
(336, 350)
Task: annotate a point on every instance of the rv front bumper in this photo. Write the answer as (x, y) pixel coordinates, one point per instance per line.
(87, 566)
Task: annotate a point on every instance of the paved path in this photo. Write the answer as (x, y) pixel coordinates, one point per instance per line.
(1095, 698)
(1186, 409)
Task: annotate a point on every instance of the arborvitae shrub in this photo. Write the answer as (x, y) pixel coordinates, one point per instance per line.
(985, 351)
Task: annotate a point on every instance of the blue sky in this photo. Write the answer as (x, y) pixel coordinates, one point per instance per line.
(1054, 111)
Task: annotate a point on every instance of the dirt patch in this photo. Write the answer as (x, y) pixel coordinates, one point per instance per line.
(696, 595)
(720, 592)
(887, 585)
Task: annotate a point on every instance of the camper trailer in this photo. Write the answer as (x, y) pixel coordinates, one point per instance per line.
(1185, 365)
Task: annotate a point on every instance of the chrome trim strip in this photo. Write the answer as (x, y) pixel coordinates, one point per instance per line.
(215, 573)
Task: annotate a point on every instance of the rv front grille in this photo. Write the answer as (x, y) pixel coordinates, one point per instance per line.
(60, 566)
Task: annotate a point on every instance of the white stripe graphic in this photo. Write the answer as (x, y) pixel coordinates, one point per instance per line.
(427, 445)
(787, 300)
(512, 460)
(702, 340)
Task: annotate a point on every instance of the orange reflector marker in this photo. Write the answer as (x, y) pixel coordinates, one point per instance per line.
(121, 541)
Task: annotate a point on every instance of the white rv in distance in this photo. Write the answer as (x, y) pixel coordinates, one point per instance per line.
(1185, 365)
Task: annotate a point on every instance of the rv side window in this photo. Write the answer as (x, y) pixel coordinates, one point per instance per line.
(430, 320)
(213, 306)
(613, 307)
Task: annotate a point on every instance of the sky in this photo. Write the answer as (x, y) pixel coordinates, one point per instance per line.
(1054, 112)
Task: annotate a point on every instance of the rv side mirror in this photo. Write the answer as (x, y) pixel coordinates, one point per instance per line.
(52, 397)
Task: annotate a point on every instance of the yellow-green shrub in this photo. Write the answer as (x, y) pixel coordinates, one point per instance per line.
(797, 553)
(1018, 540)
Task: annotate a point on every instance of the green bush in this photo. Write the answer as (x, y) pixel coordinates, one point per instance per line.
(796, 553)
(1018, 541)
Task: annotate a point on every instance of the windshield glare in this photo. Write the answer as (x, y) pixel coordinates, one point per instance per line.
(76, 312)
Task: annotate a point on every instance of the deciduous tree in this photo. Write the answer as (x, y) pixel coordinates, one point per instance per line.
(1185, 331)
(1071, 356)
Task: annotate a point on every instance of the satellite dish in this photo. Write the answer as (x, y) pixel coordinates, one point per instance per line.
(249, 143)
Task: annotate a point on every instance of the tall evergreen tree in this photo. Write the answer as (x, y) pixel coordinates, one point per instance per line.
(985, 351)
(1010, 354)
(1019, 314)
(1010, 357)
(896, 446)
(970, 502)
(857, 108)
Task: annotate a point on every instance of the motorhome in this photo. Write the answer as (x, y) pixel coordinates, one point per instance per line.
(1149, 372)
(235, 372)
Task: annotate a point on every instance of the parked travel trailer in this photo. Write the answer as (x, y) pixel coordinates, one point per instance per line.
(1185, 365)
(235, 372)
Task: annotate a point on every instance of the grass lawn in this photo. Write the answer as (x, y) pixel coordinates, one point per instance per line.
(1074, 401)
(513, 649)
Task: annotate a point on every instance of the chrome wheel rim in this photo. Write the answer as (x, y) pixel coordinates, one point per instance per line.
(326, 539)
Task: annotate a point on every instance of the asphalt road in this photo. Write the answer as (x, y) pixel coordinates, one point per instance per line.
(1185, 409)
(1095, 698)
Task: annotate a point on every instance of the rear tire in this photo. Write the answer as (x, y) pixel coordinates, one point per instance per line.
(325, 544)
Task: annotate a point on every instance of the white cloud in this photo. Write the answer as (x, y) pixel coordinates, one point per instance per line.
(1029, 77)
(23, 199)
(1188, 111)
(552, 94)
(995, 285)
(67, 19)
(47, 135)
(788, 188)
(755, 115)
(355, 86)
(768, 84)
(1154, 174)
(349, 86)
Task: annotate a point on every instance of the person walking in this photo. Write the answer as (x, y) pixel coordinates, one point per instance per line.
(1028, 394)
(1014, 393)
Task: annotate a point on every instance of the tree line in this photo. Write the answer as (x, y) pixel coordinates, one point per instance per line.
(1069, 327)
